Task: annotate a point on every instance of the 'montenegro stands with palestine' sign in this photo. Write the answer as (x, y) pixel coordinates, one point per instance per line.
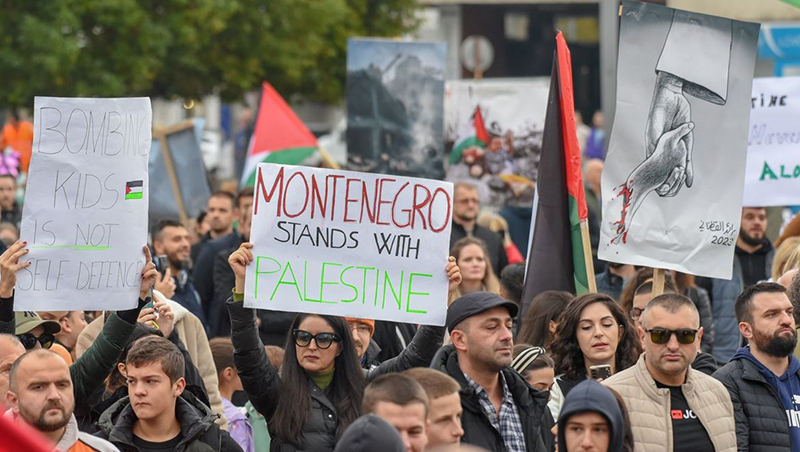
(350, 244)
(85, 212)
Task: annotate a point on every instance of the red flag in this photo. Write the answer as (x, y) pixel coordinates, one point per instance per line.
(480, 127)
(18, 436)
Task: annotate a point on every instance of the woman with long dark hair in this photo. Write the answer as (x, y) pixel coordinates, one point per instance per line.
(541, 319)
(592, 331)
(318, 392)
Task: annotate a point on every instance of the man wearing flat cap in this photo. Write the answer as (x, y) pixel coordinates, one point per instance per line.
(501, 412)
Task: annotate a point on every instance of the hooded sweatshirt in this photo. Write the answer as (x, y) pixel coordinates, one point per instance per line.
(787, 386)
(591, 396)
(368, 434)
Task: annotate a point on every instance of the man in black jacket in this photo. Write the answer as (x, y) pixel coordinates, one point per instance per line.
(764, 377)
(465, 213)
(502, 413)
(213, 277)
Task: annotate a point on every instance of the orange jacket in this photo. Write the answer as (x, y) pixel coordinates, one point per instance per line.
(20, 139)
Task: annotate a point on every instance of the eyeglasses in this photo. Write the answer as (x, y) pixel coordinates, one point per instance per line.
(360, 327)
(29, 340)
(662, 335)
(323, 340)
(636, 313)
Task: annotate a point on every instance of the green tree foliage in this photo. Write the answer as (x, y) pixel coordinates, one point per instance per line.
(185, 48)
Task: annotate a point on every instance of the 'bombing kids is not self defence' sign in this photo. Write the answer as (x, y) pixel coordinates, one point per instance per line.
(350, 244)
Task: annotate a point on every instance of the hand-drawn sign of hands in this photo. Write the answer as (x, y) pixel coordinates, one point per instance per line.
(695, 60)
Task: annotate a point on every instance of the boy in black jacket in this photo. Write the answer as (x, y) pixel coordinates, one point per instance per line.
(157, 414)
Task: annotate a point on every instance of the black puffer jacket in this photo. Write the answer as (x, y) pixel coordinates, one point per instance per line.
(761, 424)
(263, 385)
(530, 403)
(200, 433)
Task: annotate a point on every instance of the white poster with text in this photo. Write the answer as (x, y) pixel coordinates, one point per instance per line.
(85, 212)
(350, 244)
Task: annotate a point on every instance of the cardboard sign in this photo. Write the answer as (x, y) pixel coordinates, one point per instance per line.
(350, 244)
(772, 174)
(673, 180)
(85, 213)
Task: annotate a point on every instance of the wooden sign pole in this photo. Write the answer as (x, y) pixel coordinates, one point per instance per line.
(658, 281)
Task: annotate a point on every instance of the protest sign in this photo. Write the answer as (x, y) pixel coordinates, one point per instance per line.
(349, 244)
(179, 187)
(674, 175)
(493, 131)
(395, 106)
(772, 174)
(85, 213)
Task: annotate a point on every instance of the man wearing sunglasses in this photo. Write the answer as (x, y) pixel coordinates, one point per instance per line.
(764, 377)
(673, 407)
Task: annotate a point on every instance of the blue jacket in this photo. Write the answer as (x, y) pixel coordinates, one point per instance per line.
(726, 328)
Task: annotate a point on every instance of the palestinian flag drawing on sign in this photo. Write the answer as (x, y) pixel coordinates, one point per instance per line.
(473, 135)
(279, 136)
(134, 189)
(557, 257)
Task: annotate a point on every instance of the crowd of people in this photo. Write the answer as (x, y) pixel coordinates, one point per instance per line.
(701, 365)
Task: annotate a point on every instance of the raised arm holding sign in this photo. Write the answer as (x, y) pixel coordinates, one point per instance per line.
(349, 244)
(85, 213)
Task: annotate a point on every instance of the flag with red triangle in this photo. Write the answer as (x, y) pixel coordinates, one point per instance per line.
(279, 136)
(473, 135)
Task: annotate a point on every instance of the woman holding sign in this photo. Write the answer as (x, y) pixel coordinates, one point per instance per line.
(319, 390)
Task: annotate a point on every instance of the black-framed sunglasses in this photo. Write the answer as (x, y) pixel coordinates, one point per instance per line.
(323, 340)
(661, 335)
(29, 340)
(636, 313)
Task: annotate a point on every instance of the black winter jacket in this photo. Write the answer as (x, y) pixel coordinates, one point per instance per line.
(530, 402)
(200, 433)
(761, 424)
(263, 385)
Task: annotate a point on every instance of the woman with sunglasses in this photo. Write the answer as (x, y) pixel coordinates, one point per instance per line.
(318, 393)
(594, 339)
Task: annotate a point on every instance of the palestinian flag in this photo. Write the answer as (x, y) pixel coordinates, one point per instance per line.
(556, 259)
(279, 136)
(473, 134)
(134, 189)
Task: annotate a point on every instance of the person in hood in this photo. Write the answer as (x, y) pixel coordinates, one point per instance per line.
(764, 377)
(40, 393)
(158, 415)
(590, 420)
(672, 406)
(501, 411)
(370, 433)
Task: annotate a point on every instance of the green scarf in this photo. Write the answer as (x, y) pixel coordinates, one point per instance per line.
(322, 379)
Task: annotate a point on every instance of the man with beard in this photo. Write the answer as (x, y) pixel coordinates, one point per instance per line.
(753, 248)
(672, 406)
(764, 377)
(40, 393)
(501, 411)
(466, 207)
(752, 263)
(171, 238)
